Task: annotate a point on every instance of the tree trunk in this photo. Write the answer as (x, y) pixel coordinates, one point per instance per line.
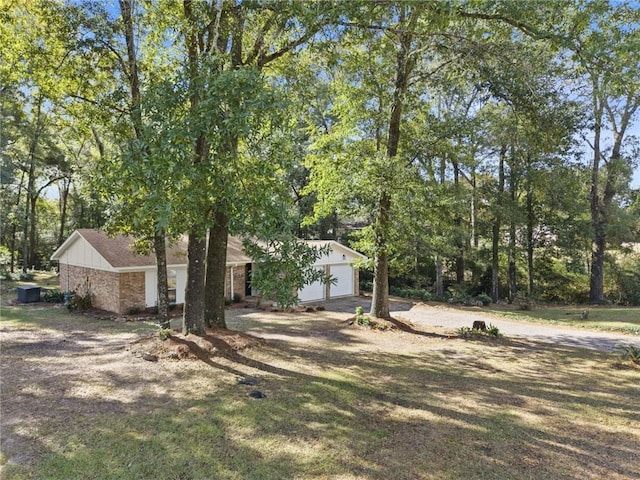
(439, 281)
(194, 309)
(475, 236)
(14, 224)
(64, 203)
(126, 9)
(380, 299)
(530, 226)
(26, 247)
(194, 301)
(160, 248)
(596, 280)
(34, 261)
(457, 221)
(513, 207)
(495, 241)
(159, 234)
(216, 272)
(513, 286)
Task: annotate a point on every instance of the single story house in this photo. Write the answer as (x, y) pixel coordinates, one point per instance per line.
(119, 280)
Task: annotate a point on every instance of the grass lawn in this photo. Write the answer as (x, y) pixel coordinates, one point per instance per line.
(341, 402)
(611, 318)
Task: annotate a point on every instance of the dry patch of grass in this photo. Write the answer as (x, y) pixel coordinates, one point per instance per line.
(599, 317)
(341, 402)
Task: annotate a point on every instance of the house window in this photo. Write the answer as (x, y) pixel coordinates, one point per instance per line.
(171, 284)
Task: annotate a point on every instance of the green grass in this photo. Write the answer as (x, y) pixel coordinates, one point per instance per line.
(44, 279)
(425, 409)
(615, 319)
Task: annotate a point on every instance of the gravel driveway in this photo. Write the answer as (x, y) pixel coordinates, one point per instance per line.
(450, 318)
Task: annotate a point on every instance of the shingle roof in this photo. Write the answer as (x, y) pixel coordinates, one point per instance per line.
(119, 250)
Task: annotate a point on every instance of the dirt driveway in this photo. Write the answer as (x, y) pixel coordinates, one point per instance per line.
(450, 319)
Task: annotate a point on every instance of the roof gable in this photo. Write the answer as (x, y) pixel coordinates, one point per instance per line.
(118, 252)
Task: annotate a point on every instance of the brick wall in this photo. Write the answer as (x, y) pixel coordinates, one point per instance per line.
(101, 285)
(109, 290)
(239, 281)
(132, 291)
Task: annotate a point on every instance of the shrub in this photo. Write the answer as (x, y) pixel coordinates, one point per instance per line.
(624, 285)
(484, 298)
(80, 303)
(53, 296)
(362, 318)
(237, 298)
(366, 285)
(468, 332)
(165, 333)
(628, 352)
(134, 311)
(493, 331)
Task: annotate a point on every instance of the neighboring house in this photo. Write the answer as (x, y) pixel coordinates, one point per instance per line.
(119, 280)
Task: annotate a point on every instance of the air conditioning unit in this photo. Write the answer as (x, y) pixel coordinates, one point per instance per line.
(28, 294)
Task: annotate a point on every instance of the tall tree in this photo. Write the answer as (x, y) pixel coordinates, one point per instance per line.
(606, 48)
(228, 45)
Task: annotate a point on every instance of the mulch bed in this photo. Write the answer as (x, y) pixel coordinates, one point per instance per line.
(193, 347)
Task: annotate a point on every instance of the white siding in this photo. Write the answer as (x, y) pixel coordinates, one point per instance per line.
(151, 287)
(337, 255)
(181, 284)
(80, 253)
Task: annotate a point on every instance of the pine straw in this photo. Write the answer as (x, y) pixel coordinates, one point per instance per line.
(194, 347)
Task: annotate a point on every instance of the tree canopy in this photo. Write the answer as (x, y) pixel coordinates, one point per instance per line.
(465, 147)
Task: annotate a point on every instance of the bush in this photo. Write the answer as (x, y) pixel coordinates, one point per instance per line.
(624, 285)
(628, 352)
(484, 298)
(80, 303)
(53, 296)
(366, 286)
(362, 318)
(558, 283)
(468, 332)
(409, 292)
(237, 298)
(493, 331)
(165, 333)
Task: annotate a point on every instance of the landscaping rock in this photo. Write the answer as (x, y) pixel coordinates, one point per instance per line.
(247, 381)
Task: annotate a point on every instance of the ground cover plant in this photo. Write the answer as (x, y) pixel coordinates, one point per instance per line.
(338, 401)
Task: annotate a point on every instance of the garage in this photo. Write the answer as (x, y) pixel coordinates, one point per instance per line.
(312, 292)
(339, 263)
(343, 274)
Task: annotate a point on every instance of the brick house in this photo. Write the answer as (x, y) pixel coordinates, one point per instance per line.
(119, 280)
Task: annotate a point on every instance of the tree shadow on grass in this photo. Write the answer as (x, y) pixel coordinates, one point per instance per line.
(456, 412)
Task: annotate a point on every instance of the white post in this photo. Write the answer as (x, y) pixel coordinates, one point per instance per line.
(232, 283)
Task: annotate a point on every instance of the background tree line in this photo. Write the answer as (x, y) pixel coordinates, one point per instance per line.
(465, 147)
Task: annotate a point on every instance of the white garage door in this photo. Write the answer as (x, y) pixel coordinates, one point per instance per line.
(344, 276)
(312, 292)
